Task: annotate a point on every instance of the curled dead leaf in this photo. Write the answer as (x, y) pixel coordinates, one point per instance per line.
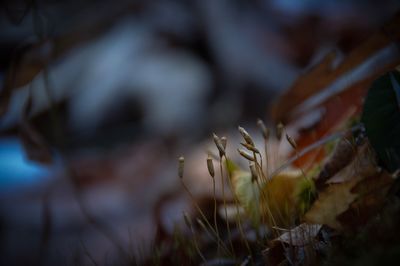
(324, 74)
(299, 244)
(301, 235)
(326, 88)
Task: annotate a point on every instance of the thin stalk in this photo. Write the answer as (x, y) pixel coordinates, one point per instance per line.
(259, 168)
(224, 202)
(261, 174)
(215, 217)
(264, 198)
(87, 253)
(103, 228)
(196, 245)
(238, 221)
(205, 218)
(266, 159)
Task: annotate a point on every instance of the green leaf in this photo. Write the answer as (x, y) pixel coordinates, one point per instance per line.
(381, 118)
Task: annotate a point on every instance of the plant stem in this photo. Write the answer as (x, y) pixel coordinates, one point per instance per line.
(215, 217)
(238, 221)
(224, 201)
(205, 218)
(196, 245)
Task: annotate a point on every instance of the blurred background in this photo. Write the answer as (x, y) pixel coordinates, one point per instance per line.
(100, 98)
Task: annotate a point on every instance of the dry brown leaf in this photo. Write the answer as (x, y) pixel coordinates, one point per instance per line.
(299, 244)
(362, 166)
(349, 102)
(341, 156)
(346, 186)
(325, 74)
(301, 235)
(333, 201)
(372, 193)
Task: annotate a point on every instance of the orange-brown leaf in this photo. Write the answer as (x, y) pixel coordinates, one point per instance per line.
(325, 74)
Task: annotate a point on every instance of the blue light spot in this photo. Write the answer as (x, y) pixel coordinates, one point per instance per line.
(15, 169)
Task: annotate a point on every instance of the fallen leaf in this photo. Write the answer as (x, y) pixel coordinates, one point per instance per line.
(301, 235)
(336, 197)
(333, 201)
(371, 193)
(350, 104)
(300, 245)
(362, 165)
(341, 156)
(325, 73)
(319, 89)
